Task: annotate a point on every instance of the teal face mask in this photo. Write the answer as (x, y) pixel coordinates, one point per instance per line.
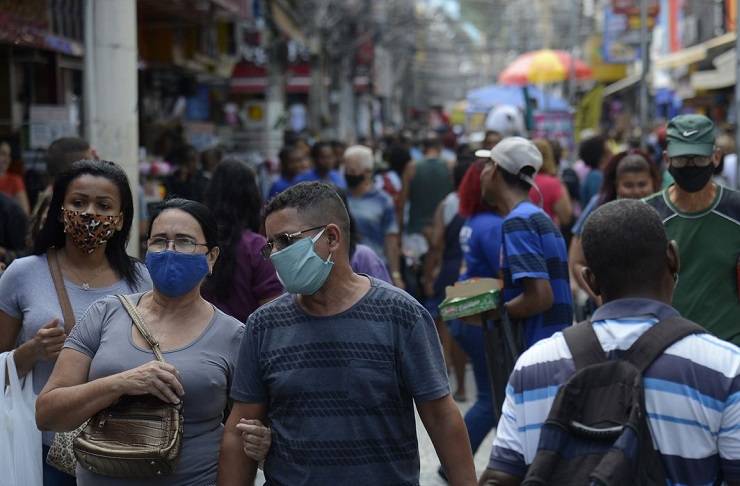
(300, 269)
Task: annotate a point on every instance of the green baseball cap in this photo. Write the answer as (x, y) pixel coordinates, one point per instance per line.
(690, 135)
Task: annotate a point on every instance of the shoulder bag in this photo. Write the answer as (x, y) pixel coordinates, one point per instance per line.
(60, 455)
(137, 437)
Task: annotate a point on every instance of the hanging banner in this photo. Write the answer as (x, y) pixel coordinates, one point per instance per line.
(620, 43)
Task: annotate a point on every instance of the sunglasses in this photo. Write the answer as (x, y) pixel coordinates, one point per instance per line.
(283, 241)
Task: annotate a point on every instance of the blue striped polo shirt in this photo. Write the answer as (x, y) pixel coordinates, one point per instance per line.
(532, 247)
(692, 396)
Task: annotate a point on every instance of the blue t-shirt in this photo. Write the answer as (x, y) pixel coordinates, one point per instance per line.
(480, 240)
(333, 177)
(578, 226)
(280, 185)
(534, 248)
(591, 186)
(340, 390)
(375, 216)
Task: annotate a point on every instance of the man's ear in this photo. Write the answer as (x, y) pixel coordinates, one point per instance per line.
(333, 237)
(590, 279)
(716, 156)
(673, 258)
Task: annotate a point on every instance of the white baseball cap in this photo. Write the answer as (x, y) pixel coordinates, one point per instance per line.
(513, 154)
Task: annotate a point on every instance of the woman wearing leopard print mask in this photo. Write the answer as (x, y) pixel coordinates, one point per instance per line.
(88, 224)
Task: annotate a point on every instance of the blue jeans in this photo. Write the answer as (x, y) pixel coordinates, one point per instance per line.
(53, 476)
(480, 418)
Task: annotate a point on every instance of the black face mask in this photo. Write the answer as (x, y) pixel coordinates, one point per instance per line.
(692, 179)
(354, 180)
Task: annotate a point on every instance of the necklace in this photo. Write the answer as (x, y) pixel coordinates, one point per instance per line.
(85, 283)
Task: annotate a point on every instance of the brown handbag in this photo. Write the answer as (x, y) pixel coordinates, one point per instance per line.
(137, 437)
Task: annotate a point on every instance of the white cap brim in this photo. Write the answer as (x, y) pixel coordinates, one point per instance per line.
(483, 154)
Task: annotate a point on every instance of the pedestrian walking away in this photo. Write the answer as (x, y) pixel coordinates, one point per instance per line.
(689, 390)
(241, 279)
(337, 365)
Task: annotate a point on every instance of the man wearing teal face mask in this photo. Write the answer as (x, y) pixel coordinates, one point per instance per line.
(337, 364)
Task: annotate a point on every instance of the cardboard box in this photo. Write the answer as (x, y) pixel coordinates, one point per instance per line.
(470, 298)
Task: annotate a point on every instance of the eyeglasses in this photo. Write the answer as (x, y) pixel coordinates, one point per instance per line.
(180, 244)
(280, 242)
(690, 160)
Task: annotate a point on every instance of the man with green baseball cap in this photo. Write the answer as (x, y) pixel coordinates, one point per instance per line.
(704, 219)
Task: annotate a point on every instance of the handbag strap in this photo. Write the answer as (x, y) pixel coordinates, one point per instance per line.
(68, 314)
(143, 330)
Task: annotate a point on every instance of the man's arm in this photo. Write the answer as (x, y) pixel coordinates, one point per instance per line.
(408, 175)
(434, 256)
(536, 298)
(447, 430)
(393, 255)
(491, 477)
(234, 467)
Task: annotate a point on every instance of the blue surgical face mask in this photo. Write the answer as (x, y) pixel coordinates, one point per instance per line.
(175, 274)
(300, 269)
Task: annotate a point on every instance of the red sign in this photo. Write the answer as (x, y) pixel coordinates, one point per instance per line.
(632, 7)
(731, 9)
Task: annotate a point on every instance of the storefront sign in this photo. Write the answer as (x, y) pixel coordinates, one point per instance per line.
(49, 122)
(619, 41)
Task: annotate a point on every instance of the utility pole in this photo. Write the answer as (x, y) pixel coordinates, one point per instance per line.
(574, 28)
(737, 88)
(111, 89)
(645, 53)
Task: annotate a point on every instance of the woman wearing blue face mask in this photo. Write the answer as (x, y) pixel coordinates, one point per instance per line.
(105, 357)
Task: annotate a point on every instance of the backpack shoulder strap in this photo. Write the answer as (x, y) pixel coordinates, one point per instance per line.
(584, 345)
(658, 338)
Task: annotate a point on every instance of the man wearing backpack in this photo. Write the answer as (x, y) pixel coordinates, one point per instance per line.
(690, 379)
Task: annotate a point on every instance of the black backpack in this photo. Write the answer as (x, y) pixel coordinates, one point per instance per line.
(597, 431)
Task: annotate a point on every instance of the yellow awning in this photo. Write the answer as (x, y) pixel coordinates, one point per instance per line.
(693, 54)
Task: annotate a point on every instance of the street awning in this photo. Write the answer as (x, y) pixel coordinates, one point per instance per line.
(693, 54)
(284, 18)
(722, 77)
(622, 84)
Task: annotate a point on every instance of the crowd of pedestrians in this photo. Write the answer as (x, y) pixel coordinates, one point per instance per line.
(301, 329)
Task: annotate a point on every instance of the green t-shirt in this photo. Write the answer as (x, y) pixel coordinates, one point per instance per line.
(709, 247)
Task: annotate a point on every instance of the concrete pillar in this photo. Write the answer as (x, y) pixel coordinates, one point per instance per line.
(111, 89)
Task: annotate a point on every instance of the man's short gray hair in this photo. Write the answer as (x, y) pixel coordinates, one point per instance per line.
(362, 154)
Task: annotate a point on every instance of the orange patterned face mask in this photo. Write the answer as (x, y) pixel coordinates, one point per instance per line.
(88, 231)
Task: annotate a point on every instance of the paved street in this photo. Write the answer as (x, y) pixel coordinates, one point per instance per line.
(429, 461)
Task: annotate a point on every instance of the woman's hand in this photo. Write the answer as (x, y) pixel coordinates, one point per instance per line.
(49, 341)
(256, 439)
(156, 378)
